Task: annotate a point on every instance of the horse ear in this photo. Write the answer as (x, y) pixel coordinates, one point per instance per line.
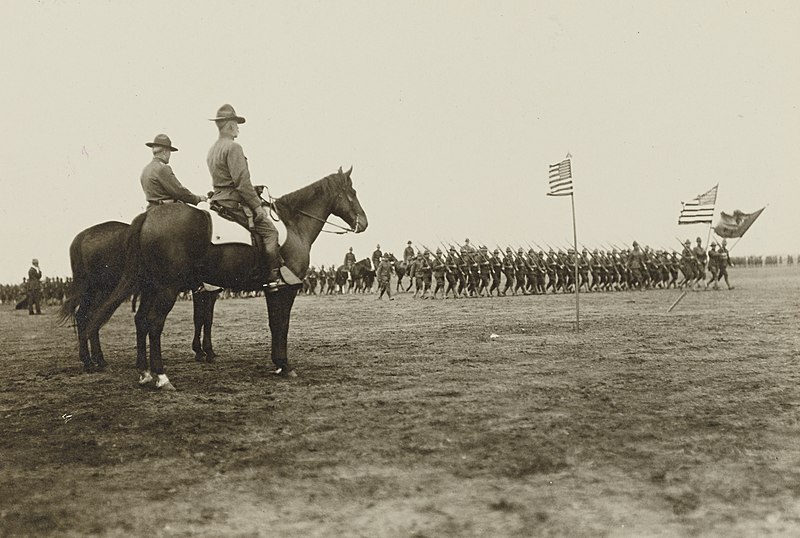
(340, 170)
(349, 171)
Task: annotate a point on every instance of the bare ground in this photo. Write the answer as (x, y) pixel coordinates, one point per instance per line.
(408, 420)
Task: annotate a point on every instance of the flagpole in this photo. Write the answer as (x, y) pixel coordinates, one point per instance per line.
(577, 282)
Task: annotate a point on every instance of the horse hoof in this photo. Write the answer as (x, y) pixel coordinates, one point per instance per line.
(199, 357)
(100, 363)
(163, 383)
(88, 367)
(283, 372)
(145, 378)
(211, 358)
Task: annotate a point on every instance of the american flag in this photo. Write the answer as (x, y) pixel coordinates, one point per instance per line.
(699, 210)
(561, 179)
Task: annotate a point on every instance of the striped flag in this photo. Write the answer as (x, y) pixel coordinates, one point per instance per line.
(699, 210)
(561, 179)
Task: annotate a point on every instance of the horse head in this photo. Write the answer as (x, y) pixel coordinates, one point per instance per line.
(346, 205)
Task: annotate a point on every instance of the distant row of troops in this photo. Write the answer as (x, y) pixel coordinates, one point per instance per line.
(476, 272)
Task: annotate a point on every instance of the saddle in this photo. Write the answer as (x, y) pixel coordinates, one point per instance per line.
(259, 260)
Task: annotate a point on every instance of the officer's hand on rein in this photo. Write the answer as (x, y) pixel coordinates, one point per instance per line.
(260, 212)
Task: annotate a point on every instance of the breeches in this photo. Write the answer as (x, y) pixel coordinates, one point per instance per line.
(262, 227)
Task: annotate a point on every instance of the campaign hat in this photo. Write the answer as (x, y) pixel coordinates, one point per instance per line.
(163, 141)
(226, 112)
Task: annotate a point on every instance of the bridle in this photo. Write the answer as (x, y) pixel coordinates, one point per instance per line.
(319, 219)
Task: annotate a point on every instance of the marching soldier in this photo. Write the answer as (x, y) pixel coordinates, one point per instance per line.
(508, 271)
(688, 264)
(427, 273)
(439, 268)
(635, 264)
(452, 273)
(496, 267)
(384, 274)
(713, 266)
(723, 262)
(700, 261)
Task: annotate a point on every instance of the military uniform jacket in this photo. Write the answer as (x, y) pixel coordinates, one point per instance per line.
(160, 184)
(230, 175)
(384, 271)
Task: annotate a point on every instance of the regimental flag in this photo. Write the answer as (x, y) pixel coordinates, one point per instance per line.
(700, 210)
(735, 225)
(561, 179)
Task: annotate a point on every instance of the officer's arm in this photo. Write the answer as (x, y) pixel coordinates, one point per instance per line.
(240, 173)
(174, 187)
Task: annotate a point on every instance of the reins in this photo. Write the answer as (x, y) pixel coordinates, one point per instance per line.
(274, 216)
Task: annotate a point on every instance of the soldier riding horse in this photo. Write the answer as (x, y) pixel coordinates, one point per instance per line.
(168, 249)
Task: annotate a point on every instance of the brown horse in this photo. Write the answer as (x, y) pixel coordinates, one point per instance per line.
(96, 269)
(169, 249)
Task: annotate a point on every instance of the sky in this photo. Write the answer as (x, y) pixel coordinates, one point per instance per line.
(449, 112)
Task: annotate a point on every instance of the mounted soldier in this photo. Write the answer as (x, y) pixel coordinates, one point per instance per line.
(235, 195)
(158, 181)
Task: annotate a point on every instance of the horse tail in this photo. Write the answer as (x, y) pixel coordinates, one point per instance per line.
(79, 286)
(128, 282)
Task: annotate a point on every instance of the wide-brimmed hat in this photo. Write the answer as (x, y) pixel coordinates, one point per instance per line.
(163, 141)
(226, 112)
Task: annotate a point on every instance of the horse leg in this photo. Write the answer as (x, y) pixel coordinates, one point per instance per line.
(208, 321)
(81, 316)
(142, 328)
(198, 305)
(279, 308)
(162, 303)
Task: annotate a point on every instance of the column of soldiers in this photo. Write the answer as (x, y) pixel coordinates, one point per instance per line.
(469, 271)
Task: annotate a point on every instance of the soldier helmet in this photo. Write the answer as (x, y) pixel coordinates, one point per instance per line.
(496, 251)
(724, 242)
(699, 240)
(161, 141)
(409, 243)
(378, 245)
(687, 243)
(351, 249)
(520, 251)
(713, 245)
(438, 251)
(466, 240)
(452, 249)
(508, 249)
(35, 261)
(635, 244)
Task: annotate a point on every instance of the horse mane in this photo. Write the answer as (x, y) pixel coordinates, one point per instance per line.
(288, 204)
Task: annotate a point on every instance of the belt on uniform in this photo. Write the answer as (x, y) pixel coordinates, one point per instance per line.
(160, 202)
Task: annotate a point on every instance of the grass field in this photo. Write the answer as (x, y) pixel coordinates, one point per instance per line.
(408, 420)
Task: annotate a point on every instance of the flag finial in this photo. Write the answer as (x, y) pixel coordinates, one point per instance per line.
(569, 155)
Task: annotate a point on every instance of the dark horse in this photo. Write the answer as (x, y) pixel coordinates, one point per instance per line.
(362, 275)
(400, 269)
(96, 269)
(168, 249)
(97, 265)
